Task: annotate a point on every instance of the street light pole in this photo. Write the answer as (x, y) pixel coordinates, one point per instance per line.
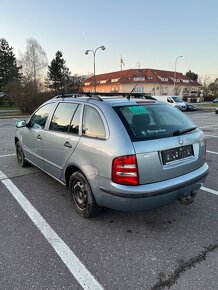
(94, 53)
(174, 80)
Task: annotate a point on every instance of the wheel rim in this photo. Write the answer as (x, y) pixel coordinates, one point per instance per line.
(79, 195)
(19, 154)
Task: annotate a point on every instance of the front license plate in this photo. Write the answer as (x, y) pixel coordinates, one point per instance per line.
(177, 154)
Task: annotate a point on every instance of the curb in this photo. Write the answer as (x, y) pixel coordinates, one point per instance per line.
(13, 117)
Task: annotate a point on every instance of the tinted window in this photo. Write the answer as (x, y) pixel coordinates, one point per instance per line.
(40, 117)
(62, 117)
(146, 122)
(93, 125)
(74, 126)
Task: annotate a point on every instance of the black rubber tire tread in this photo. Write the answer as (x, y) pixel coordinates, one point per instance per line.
(91, 209)
(21, 161)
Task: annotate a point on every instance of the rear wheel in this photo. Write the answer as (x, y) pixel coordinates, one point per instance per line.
(20, 155)
(81, 195)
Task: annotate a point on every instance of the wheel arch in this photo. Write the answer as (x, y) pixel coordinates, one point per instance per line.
(69, 171)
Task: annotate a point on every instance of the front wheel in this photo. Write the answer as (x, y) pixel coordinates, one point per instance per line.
(81, 196)
(20, 155)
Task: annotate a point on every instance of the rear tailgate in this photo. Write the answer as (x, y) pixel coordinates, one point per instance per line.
(157, 161)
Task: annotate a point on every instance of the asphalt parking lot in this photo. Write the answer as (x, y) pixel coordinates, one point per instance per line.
(44, 244)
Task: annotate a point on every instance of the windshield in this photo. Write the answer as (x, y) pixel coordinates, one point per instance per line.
(147, 122)
(177, 99)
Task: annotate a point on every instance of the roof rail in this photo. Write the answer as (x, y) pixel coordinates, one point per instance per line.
(76, 95)
(96, 95)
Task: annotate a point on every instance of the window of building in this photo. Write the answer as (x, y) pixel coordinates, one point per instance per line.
(139, 89)
(138, 79)
(93, 125)
(114, 89)
(163, 79)
(62, 116)
(114, 80)
(103, 81)
(87, 83)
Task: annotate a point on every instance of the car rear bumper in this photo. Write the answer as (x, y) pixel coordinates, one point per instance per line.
(148, 196)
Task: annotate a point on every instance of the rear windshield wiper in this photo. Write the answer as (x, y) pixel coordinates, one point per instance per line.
(178, 132)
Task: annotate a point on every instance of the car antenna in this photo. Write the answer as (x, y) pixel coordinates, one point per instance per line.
(128, 96)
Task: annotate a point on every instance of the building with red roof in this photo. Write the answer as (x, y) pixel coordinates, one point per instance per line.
(149, 81)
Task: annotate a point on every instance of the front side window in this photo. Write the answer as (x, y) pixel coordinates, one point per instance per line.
(62, 117)
(40, 117)
(147, 122)
(93, 125)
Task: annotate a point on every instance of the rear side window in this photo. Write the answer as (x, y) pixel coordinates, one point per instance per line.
(62, 117)
(93, 125)
(147, 122)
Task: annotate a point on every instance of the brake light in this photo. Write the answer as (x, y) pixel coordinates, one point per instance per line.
(125, 170)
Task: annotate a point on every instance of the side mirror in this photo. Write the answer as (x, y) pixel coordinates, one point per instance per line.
(21, 124)
(169, 100)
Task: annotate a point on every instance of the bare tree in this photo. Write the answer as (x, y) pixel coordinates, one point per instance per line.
(34, 62)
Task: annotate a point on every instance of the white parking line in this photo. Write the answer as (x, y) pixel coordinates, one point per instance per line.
(75, 266)
(208, 126)
(212, 152)
(213, 136)
(7, 155)
(209, 190)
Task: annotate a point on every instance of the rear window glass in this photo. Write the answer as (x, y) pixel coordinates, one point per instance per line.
(147, 122)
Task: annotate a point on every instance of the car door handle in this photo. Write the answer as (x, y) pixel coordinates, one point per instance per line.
(39, 137)
(67, 144)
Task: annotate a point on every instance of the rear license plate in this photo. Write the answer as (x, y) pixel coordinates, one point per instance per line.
(178, 153)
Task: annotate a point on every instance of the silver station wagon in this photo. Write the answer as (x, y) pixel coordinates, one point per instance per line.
(120, 152)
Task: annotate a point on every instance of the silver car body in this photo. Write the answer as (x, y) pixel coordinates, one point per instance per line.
(61, 153)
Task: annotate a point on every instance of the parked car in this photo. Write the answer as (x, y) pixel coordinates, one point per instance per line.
(190, 107)
(175, 101)
(118, 152)
(215, 100)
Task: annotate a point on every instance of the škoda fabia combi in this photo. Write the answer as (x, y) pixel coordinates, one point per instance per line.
(120, 152)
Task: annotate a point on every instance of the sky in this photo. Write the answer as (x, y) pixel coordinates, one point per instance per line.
(148, 34)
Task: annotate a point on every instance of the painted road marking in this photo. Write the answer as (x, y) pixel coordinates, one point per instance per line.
(212, 152)
(75, 266)
(209, 190)
(2, 175)
(7, 155)
(213, 136)
(208, 126)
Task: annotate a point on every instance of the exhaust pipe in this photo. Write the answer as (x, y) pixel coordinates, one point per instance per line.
(188, 199)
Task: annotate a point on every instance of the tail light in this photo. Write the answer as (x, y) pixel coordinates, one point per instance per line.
(125, 170)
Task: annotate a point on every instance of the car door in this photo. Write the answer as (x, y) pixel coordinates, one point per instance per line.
(61, 138)
(32, 135)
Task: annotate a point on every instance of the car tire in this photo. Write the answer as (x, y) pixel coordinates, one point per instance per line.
(20, 155)
(81, 196)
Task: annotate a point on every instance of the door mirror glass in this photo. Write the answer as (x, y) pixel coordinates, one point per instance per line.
(21, 123)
